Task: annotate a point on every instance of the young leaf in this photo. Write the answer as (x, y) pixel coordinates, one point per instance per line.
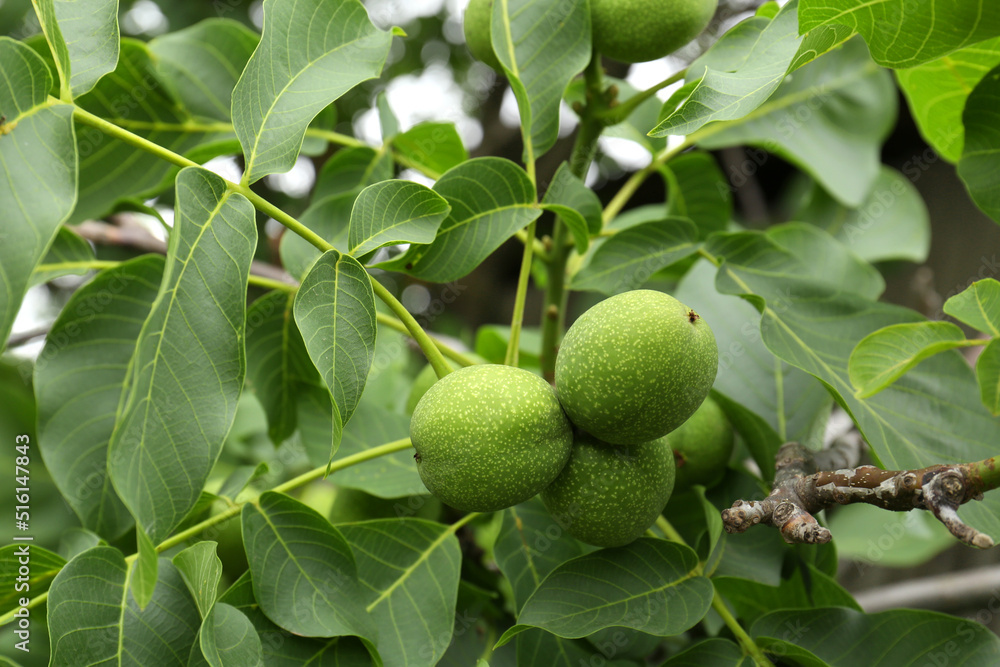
(576, 204)
(542, 45)
(83, 36)
(189, 362)
(629, 259)
(202, 63)
(144, 569)
(937, 92)
(78, 387)
(978, 166)
(741, 72)
(395, 212)
(431, 147)
(304, 573)
(491, 198)
(830, 119)
(978, 306)
(335, 311)
(988, 375)
(103, 624)
(648, 585)
(310, 54)
(38, 178)
(45, 565)
(892, 223)
(921, 31)
(410, 568)
(884, 356)
(862, 640)
(133, 97)
(228, 639)
(201, 570)
(529, 546)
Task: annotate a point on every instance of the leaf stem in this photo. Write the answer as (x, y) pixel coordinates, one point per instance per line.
(620, 113)
(95, 264)
(430, 350)
(749, 646)
(87, 118)
(447, 351)
(235, 508)
(517, 322)
(554, 305)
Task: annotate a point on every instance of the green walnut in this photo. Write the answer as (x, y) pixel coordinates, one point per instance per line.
(489, 437)
(702, 446)
(635, 31)
(478, 35)
(635, 367)
(608, 495)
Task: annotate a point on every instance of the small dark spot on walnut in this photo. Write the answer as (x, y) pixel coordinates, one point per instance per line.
(416, 457)
(693, 316)
(409, 266)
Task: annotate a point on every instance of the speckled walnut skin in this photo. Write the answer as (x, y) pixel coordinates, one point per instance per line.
(489, 437)
(635, 367)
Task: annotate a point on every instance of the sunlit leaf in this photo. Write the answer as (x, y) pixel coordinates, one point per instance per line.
(311, 53)
(83, 36)
(395, 212)
(978, 305)
(201, 570)
(431, 147)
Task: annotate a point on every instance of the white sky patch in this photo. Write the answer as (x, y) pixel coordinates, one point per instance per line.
(647, 75)
(387, 13)
(298, 181)
(257, 14)
(144, 18)
(416, 298)
(416, 177)
(628, 154)
(225, 166)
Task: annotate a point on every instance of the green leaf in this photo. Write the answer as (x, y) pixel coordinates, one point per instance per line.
(228, 639)
(410, 568)
(578, 206)
(95, 624)
(431, 147)
(978, 306)
(310, 54)
(395, 212)
(335, 311)
(387, 119)
(711, 653)
(741, 71)
(134, 98)
(537, 648)
(865, 640)
(392, 476)
(830, 119)
(201, 570)
(629, 259)
(44, 565)
(869, 536)
(242, 477)
(78, 387)
(330, 218)
(988, 376)
(83, 36)
(649, 585)
(700, 192)
(978, 166)
(491, 199)
(304, 573)
(201, 64)
(189, 363)
(904, 34)
(142, 581)
(73, 541)
(529, 546)
(929, 416)
(67, 246)
(351, 169)
(39, 171)
(891, 224)
(542, 45)
(884, 356)
(786, 398)
(752, 599)
(938, 90)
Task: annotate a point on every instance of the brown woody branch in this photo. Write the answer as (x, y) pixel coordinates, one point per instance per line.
(802, 488)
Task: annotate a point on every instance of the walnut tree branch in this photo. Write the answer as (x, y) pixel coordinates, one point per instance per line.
(801, 489)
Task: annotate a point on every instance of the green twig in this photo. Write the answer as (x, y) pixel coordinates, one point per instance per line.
(620, 113)
(517, 322)
(447, 351)
(427, 346)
